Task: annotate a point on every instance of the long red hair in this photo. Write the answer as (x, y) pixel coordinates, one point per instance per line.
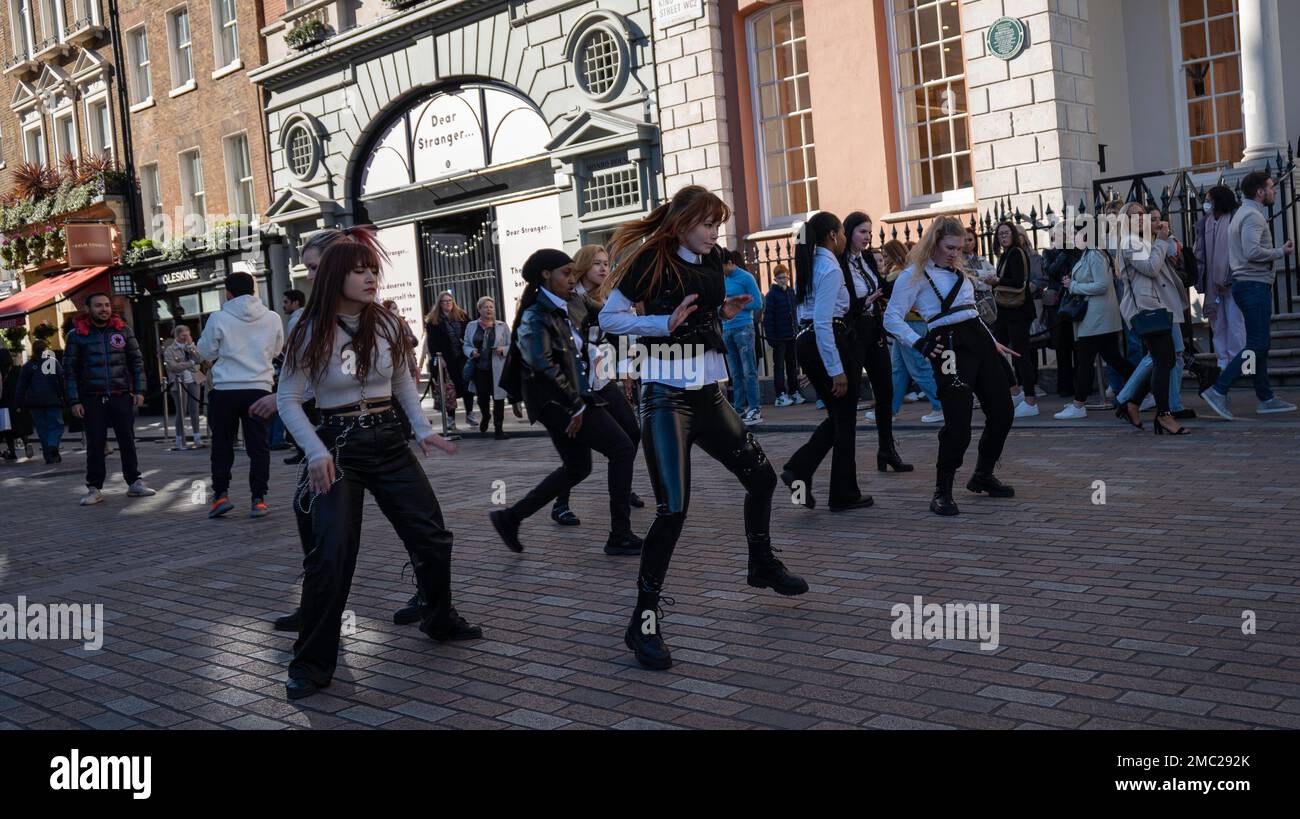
(657, 234)
(311, 344)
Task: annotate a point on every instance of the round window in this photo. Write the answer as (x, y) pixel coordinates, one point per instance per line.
(599, 62)
(301, 151)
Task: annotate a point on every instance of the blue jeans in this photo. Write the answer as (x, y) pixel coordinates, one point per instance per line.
(277, 431)
(906, 362)
(1255, 300)
(1133, 352)
(743, 365)
(1139, 383)
(49, 425)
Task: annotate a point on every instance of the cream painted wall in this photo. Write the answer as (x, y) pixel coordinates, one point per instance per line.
(1110, 75)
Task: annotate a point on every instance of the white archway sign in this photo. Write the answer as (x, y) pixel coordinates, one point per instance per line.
(449, 133)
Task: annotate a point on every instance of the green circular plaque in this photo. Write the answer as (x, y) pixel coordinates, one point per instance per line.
(1006, 38)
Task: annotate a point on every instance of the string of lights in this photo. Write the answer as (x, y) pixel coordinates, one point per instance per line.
(459, 251)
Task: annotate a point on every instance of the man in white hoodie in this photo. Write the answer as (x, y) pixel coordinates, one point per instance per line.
(243, 338)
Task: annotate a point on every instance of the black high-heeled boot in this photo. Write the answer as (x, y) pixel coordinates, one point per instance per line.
(888, 456)
(942, 503)
(766, 572)
(645, 633)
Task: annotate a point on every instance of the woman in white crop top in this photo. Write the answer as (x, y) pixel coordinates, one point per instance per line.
(353, 354)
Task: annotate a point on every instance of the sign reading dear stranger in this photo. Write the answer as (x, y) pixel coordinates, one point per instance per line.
(671, 12)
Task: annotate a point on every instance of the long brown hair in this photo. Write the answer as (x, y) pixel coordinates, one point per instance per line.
(436, 315)
(894, 254)
(657, 234)
(311, 344)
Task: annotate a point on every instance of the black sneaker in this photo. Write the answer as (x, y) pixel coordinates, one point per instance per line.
(634, 500)
(507, 526)
(564, 516)
(624, 544)
(456, 628)
(410, 613)
(502, 435)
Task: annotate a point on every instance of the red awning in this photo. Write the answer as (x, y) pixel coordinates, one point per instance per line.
(15, 308)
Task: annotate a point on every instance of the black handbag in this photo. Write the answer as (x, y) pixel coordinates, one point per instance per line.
(1073, 307)
(1152, 322)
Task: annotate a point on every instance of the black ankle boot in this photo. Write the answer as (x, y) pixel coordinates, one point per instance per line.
(888, 456)
(507, 526)
(986, 482)
(942, 503)
(410, 613)
(766, 572)
(645, 633)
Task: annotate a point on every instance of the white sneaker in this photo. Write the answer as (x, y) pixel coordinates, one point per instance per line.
(139, 490)
(92, 497)
(935, 417)
(799, 399)
(1148, 403)
(1110, 394)
(784, 400)
(1274, 404)
(1017, 398)
(471, 419)
(1071, 412)
(751, 418)
(911, 398)
(1026, 410)
(870, 416)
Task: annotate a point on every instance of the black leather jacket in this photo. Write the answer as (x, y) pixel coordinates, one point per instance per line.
(552, 373)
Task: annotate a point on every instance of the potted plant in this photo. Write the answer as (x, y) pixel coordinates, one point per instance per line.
(306, 34)
(15, 336)
(19, 245)
(54, 242)
(6, 253)
(36, 247)
(44, 331)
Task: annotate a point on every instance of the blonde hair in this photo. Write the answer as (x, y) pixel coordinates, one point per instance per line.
(940, 229)
(478, 305)
(585, 259)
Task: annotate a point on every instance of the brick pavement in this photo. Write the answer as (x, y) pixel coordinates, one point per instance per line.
(1119, 615)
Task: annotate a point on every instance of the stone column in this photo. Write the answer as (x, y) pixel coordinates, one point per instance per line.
(1262, 100)
(1033, 118)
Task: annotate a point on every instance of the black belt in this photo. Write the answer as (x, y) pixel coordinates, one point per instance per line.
(373, 419)
(838, 325)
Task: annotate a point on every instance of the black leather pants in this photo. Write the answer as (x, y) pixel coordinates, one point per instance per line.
(376, 459)
(976, 369)
(672, 421)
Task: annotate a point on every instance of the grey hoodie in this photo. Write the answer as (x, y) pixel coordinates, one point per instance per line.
(243, 337)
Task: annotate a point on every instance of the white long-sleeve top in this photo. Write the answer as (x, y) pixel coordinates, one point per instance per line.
(912, 290)
(829, 300)
(336, 387)
(619, 317)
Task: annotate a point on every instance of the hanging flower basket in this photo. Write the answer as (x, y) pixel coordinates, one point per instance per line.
(306, 34)
(6, 253)
(54, 243)
(36, 247)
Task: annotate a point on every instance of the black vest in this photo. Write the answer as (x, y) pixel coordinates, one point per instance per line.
(681, 279)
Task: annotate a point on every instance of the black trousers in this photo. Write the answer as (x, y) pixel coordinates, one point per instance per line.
(837, 433)
(785, 366)
(620, 409)
(880, 372)
(227, 412)
(1013, 331)
(375, 459)
(601, 432)
(1089, 347)
(1067, 351)
(976, 368)
(103, 411)
(485, 388)
(1163, 358)
(674, 420)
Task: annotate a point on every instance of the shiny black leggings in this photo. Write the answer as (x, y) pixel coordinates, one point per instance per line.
(672, 421)
(375, 459)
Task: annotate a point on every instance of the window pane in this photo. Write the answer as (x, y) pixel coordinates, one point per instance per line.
(763, 34)
(929, 23)
(927, 184)
(766, 68)
(784, 61)
(786, 96)
(1228, 113)
(798, 198)
(1194, 42)
(922, 141)
(931, 64)
(1203, 151)
(777, 202)
(940, 139)
(811, 157)
(1231, 147)
(909, 68)
(1223, 36)
(781, 26)
(1227, 75)
(808, 138)
(905, 31)
(772, 139)
(796, 21)
(1217, 7)
(813, 199)
(801, 57)
(793, 136)
(1191, 10)
(960, 137)
(805, 93)
(794, 163)
(775, 168)
(954, 57)
(767, 102)
(965, 179)
(1197, 76)
(950, 19)
(1200, 118)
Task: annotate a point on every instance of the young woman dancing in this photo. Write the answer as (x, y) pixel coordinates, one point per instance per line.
(670, 262)
(967, 360)
(830, 299)
(353, 354)
(557, 391)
